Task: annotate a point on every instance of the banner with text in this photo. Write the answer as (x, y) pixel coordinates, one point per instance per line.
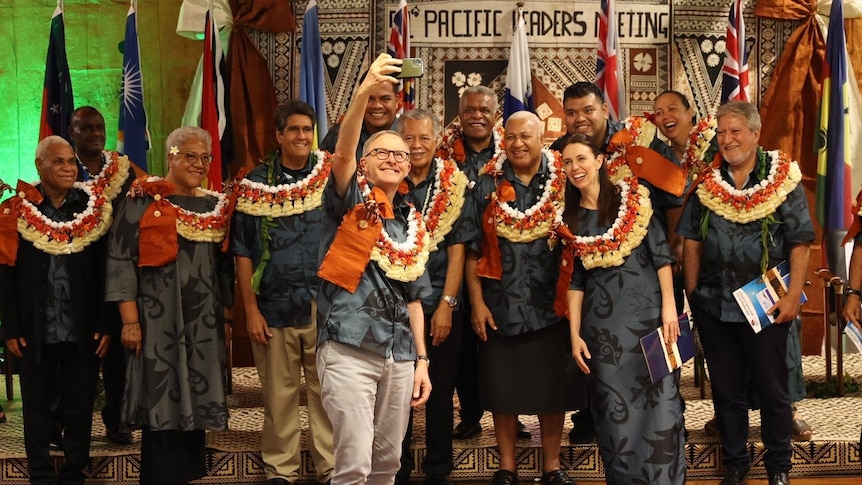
(490, 23)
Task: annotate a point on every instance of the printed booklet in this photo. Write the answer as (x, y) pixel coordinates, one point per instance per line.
(758, 295)
(662, 359)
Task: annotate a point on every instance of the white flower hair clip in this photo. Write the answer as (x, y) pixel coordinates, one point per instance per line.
(174, 150)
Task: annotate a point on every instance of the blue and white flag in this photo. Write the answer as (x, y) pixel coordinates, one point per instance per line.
(133, 137)
(519, 86)
(311, 87)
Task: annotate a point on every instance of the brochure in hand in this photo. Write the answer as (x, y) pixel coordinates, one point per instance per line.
(854, 334)
(758, 295)
(661, 358)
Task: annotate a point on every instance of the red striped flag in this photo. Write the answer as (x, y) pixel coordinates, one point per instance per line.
(399, 47)
(212, 104)
(734, 80)
(609, 72)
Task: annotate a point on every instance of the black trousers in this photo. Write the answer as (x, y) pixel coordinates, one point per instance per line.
(113, 369)
(439, 421)
(468, 370)
(62, 372)
(735, 354)
(172, 457)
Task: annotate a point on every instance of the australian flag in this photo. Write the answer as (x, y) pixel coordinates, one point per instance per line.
(133, 138)
(57, 100)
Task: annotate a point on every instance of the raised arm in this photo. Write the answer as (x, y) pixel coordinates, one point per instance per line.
(344, 160)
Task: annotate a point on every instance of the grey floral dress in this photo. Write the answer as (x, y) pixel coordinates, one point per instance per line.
(639, 424)
(178, 382)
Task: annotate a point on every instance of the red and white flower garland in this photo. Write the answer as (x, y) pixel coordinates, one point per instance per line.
(536, 221)
(260, 199)
(402, 261)
(68, 237)
(195, 226)
(748, 205)
(446, 201)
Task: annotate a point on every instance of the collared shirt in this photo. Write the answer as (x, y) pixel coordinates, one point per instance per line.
(731, 251)
(289, 281)
(523, 300)
(475, 160)
(58, 301)
(438, 261)
(374, 317)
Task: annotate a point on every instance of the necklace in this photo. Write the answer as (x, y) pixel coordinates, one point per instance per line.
(261, 199)
(444, 200)
(536, 221)
(453, 146)
(194, 226)
(402, 261)
(112, 176)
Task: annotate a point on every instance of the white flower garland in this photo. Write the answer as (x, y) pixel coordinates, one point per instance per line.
(452, 198)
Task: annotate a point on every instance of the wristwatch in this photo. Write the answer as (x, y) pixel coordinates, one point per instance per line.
(450, 300)
(852, 291)
(423, 357)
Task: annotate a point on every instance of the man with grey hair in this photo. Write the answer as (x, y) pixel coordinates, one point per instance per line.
(436, 188)
(727, 244)
(52, 282)
(511, 274)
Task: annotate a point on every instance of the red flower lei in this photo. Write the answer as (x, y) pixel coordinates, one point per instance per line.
(446, 202)
(260, 199)
(194, 226)
(113, 175)
(452, 146)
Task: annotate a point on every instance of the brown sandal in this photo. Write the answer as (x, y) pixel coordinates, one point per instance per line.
(801, 430)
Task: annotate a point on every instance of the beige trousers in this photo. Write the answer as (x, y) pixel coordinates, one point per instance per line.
(291, 351)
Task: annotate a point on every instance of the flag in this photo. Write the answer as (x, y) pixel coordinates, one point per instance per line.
(213, 118)
(399, 47)
(609, 72)
(734, 74)
(833, 194)
(518, 95)
(57, 100)
(133, 137)
(311, 88)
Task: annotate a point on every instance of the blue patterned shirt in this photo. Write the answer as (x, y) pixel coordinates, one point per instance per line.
(289, 281)
(523, 300)
(731, 251)
(374, 317)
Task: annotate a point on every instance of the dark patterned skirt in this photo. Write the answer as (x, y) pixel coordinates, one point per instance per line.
(531, 373)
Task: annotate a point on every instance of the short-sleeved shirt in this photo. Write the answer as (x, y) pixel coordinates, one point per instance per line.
(374, 317)
(438, 261)
(58, 301)
(289, 281)
(523, 299)
(475, 160)
(732, 251)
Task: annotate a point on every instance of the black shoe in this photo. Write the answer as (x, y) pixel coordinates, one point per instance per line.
(781, 478)
(438, 480)
(734, 477)
(557, 477)
(277, 481)
(504, 477)
(465, 431)
(118, 437)
(523, 434)
(584, 430)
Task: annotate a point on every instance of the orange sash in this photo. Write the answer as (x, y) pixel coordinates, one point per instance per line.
(9, 221)
(648, 164)
(490, 264)
(348, 256)
(157, 243)
(567, 267)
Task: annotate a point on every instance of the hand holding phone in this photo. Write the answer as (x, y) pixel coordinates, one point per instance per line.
(411, 67)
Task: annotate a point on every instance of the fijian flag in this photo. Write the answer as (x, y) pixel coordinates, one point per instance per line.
(834, 195)
(133, 137)
(57, 100)
(399, 47)
(311, 87)
(609, 72)
(213, 117)
(734, 74)
(519, 86)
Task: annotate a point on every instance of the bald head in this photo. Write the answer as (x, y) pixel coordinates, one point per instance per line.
(523, 142)
(529, 119)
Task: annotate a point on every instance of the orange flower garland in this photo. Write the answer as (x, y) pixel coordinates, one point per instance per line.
(115, 171)
(638, 131)
(402, 261)
(446, 201)
(536, 221)
(699, 146)
(194, 226)
(748, 205)
(452, 146)
(260, 199)
(66, 237)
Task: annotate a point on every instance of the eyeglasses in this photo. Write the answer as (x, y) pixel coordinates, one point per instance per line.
(383, 154)
(192, 158)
